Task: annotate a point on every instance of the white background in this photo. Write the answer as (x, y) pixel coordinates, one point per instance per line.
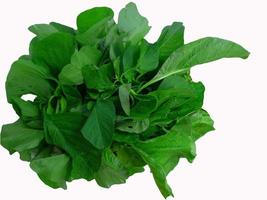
(231, 161)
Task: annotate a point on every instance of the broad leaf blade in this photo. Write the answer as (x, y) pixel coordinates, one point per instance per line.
(198, 52)
(171, 38)
(89, 18)
(132, 24)
(111, 170)
(63, 130)
(53, 171)
(18, 137)
(54, 50)
(99, 127)
(35, 80)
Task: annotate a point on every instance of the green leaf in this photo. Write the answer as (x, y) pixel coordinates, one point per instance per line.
(133, 126)
(71, 74)
(53, 170)
(195, 102)
(63, 28)
(201, 124)
(111, 170)
(170, 39)
(149, 58)
(43, 30)
(132, 24)
(129, 60)
(18, 137)
(35, 80)
(129, 158)
(144, 107)
(73, 96)
(98, 77)
(63, 130)
(91, 17)
(124, 96)
(87, 55)
(26, 110)
(99, 127)
(93, 25)
(54, 50)
(198, 52)
(162, 153)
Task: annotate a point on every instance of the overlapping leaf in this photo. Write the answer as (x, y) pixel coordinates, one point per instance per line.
(106, 101)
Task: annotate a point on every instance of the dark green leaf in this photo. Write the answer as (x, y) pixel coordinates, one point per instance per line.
(91, 17)
(53, 170)
(201, 124)
(170, 39)
(99, 127)
(18, 137)
(98, 78)
(35, 80)
(63, 130)
(71, 74)
(93, 25)
(111, 170)
(149, 58)
(129, 60)
(54, 50)
(144, 107)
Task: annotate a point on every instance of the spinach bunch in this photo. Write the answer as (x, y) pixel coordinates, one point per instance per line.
(107, 101)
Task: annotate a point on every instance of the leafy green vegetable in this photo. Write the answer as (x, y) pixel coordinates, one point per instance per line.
(107, 102)
(99, 127)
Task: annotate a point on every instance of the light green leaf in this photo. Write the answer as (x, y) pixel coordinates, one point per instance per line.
(99, 127)
(133, 126)
(124, 96)
(43, 30)
(198, 52)
(132, 24)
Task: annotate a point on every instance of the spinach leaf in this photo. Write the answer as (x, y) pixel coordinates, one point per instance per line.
(132, 24)
(198, 52)
(170, 39)
(54, 50)
(53, 170)
(99, 127)
(106, 101)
